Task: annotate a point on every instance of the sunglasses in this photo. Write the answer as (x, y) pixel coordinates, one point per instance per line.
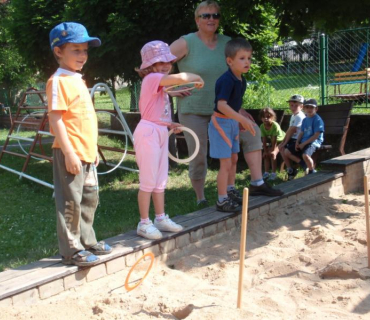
(208, 16)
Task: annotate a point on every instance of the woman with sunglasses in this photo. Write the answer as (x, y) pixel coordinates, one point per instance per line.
(203, 52)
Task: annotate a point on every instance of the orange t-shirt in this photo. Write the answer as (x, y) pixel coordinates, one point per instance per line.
(67, 92)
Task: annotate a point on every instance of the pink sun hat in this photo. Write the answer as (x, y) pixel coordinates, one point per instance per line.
(155, 51)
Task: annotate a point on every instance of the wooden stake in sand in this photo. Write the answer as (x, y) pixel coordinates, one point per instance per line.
(366, 192)
(243, 244)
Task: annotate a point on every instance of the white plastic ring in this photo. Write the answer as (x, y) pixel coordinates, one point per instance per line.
(197, 145)
(181, 87)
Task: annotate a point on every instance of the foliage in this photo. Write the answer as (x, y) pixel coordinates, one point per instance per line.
(14, 72)
(297, 18)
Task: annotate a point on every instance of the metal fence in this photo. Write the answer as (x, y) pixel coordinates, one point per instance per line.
(330, 68)
(297, 70)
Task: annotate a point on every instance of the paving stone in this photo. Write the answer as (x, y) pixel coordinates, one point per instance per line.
(156, 250)
(75, 279)
(115, 265)
(209, 230)
(183, 240)
(51, 289)
(168, 246)
(230, 223)
(131, 258)
(96, 272)
(264, 209)
(221, 227)
(7, 302)
(28, 297)
(196, 235)
(254, 214)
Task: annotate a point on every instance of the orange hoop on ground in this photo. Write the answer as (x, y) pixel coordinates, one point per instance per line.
(149, 254)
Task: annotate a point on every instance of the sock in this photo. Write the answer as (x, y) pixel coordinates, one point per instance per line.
(145, 221)
(160, 217)
(221, 197)
(257, 183)
(201, 200)
(230, 187)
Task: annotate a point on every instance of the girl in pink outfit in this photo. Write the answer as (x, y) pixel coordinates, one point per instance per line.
(151, 135)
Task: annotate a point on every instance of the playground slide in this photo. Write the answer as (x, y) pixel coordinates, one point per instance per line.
(360, 57)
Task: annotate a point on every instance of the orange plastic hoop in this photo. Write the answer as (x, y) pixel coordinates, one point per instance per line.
(149, 254)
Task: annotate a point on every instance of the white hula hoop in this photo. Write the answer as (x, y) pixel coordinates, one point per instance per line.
(182, 87)
(197, 145)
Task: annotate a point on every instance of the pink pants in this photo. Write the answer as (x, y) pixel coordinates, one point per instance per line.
(151, 147)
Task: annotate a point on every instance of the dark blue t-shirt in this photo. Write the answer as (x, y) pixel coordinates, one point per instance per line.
(231, 89)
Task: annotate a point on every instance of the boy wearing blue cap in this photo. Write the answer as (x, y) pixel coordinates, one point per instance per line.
(74, 124)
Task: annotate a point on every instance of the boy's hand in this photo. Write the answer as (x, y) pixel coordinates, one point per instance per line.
(301, 146)
(96, 162)
(248, 125)
(73, 163)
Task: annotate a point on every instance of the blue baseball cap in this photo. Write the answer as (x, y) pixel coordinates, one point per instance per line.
(71, 32)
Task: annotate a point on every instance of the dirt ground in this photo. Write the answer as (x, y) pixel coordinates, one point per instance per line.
(304, 262)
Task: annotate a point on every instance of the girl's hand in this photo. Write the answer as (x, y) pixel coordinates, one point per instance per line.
(180, 94)
(199, 84)
(176, 127)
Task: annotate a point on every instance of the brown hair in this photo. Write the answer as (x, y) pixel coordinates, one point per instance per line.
(61, 48)
(206, 4)
(144, 72)
(269, 111)
(233, 46)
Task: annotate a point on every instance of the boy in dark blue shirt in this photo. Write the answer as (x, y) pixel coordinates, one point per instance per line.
(223, 129)
(310, 138)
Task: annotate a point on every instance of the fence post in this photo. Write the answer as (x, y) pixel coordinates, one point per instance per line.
(323, 67)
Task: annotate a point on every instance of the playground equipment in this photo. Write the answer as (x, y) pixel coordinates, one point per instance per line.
(30, 125)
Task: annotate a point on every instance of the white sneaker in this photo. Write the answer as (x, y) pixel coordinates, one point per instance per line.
(167, 224)
(148, 230)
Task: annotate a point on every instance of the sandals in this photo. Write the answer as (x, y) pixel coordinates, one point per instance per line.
(82, 259)
(100, 248)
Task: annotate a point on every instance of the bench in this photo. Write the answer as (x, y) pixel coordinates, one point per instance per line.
(361, 77)
(336, 119)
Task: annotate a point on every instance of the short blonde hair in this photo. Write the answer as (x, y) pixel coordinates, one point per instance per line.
(206, 4)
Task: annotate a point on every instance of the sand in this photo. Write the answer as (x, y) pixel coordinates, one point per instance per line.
(308, 261)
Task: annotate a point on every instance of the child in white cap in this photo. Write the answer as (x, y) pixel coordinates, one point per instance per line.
(151, 135)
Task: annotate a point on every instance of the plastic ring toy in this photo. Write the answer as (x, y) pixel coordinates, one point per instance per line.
(182, 87)
(197, 145)
(127, 286)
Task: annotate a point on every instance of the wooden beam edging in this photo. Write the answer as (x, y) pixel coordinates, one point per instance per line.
(129, 245)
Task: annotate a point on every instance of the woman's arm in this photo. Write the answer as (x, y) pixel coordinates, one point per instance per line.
(179, 48)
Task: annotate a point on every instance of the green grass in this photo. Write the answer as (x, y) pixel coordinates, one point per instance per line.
(27, 211)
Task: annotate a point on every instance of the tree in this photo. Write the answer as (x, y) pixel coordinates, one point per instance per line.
(297, 17)
(14, 72)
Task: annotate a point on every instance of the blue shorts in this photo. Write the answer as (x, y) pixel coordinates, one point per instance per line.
(308, 150)
(223, 137)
